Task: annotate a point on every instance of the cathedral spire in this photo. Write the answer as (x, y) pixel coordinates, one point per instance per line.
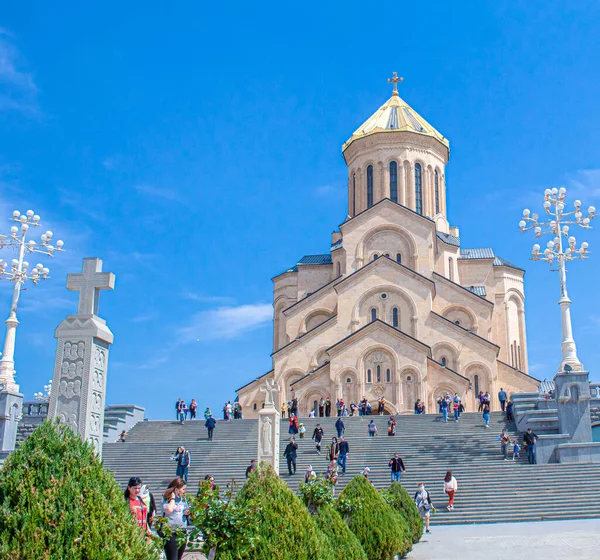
(394, 80)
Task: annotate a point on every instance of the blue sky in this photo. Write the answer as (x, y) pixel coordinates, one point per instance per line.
(195, 148)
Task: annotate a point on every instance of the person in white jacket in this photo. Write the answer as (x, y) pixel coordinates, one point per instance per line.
(450, 487)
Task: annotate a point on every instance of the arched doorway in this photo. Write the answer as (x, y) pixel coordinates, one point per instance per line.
(410, 389)
(349, 384)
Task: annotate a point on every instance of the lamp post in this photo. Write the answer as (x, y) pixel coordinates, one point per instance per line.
(562, 248)
(18, 272)
(45, 396)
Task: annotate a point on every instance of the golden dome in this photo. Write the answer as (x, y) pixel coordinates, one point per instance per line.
(396, 115)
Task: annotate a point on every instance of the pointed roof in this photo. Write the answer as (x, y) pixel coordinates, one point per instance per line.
(396, 115)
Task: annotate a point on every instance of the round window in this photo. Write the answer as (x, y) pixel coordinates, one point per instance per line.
(383, 296)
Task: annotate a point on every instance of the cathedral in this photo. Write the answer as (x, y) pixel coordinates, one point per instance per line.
(397, 308)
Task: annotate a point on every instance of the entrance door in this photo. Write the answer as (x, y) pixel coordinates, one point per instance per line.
(409, 391)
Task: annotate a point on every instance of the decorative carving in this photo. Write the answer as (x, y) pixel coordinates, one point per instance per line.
(267, 437)
(270, 388)
(95, 423)
(96, 402)
(69, 418)
(69, 389)
(379, 390)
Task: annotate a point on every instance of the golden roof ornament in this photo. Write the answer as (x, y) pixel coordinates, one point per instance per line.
(395, 80)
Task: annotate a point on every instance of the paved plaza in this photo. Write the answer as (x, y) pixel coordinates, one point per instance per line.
(548, 540)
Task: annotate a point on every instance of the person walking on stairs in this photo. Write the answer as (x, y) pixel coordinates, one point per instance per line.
(184, 460)
(339, 426)
(397, 466)
(509, 411)
(251, 468)
(504, 443)
(344, 451)
(516, 449)
(291, 454)
(175, 508)
(450, 487)
(321, 408)
(372, 428)
(334, 449)
(210, 426)
(444, 409)
(486, 414)
(317, 437)
(392, 426)
(530, 440)
(502, 398)
(193, 408)
(424, 504)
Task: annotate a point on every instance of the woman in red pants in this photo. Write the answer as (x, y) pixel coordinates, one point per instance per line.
(450, 487)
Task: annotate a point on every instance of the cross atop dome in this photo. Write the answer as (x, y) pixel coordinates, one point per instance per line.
(395, 80)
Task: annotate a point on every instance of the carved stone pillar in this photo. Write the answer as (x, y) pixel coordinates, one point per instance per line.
(79, 385)
(268, 436)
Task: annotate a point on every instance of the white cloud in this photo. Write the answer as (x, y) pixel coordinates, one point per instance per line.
(585, 182)
(155, 192)
(330, 190)
(224, 323)
(144, 317)
(224, 300)
(18, 91)
(154, 363)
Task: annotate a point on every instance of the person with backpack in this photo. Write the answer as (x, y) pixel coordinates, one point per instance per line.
(397, 467)
(251, 468)
(136, 504)
(210, 426)
(184, 459)
(339, 426)
(424, 504)
(182, 411)
(372, 428)
(317, 437)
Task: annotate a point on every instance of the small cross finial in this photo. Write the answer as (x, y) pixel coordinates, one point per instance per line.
(395, 81)
(88, 283)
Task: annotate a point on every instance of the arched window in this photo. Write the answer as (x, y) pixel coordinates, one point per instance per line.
(476, 383)
(369, 378)
(450, 269)
(394, 181)
(443, 361)
(339, 269)
(369, 186)
(436, 180)
(373, 314)
(398, 258)
(387, 255)
(395, 321)
(418, 189)
(388, 376)
(375, 256)
(457, 323)
(354, 193)
(378, 374)
(254, 406)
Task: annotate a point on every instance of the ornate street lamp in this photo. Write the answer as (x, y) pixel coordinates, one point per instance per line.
(18, 272)
(562, 248)
(45, 396)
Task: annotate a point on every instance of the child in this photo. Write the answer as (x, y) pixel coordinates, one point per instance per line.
(301, 430)
(516, 449)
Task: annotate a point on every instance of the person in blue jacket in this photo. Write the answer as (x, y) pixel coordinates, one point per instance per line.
(210, 426)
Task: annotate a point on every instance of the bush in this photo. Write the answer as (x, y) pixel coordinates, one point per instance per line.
(58, 502)
(380, 530)
(341, 541)
(285, 528)
(400, 500)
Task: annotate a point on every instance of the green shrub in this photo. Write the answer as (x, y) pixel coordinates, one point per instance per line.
(341, 541)
(58, 502)
(400, 500)
(285, 528)
(380, 530)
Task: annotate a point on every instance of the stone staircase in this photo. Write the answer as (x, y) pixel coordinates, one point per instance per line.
(490, 490)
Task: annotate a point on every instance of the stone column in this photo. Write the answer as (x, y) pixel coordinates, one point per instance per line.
(79, 385)
(11, 403)
(268, 427)
(573, 404)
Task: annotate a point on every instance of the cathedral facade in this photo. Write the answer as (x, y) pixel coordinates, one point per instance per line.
(397, 307)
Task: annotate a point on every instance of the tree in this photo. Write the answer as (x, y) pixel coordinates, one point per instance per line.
(380, 530)
(58, 502)
(285, 528)
(318, 497)
(400, 500)
(223, 524)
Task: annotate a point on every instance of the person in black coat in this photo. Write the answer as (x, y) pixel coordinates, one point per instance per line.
(290, 454)
(339, 426)
(210, 426)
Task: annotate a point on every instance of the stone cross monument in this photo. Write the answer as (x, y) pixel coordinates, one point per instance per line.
(79, 384)
(268, 427)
